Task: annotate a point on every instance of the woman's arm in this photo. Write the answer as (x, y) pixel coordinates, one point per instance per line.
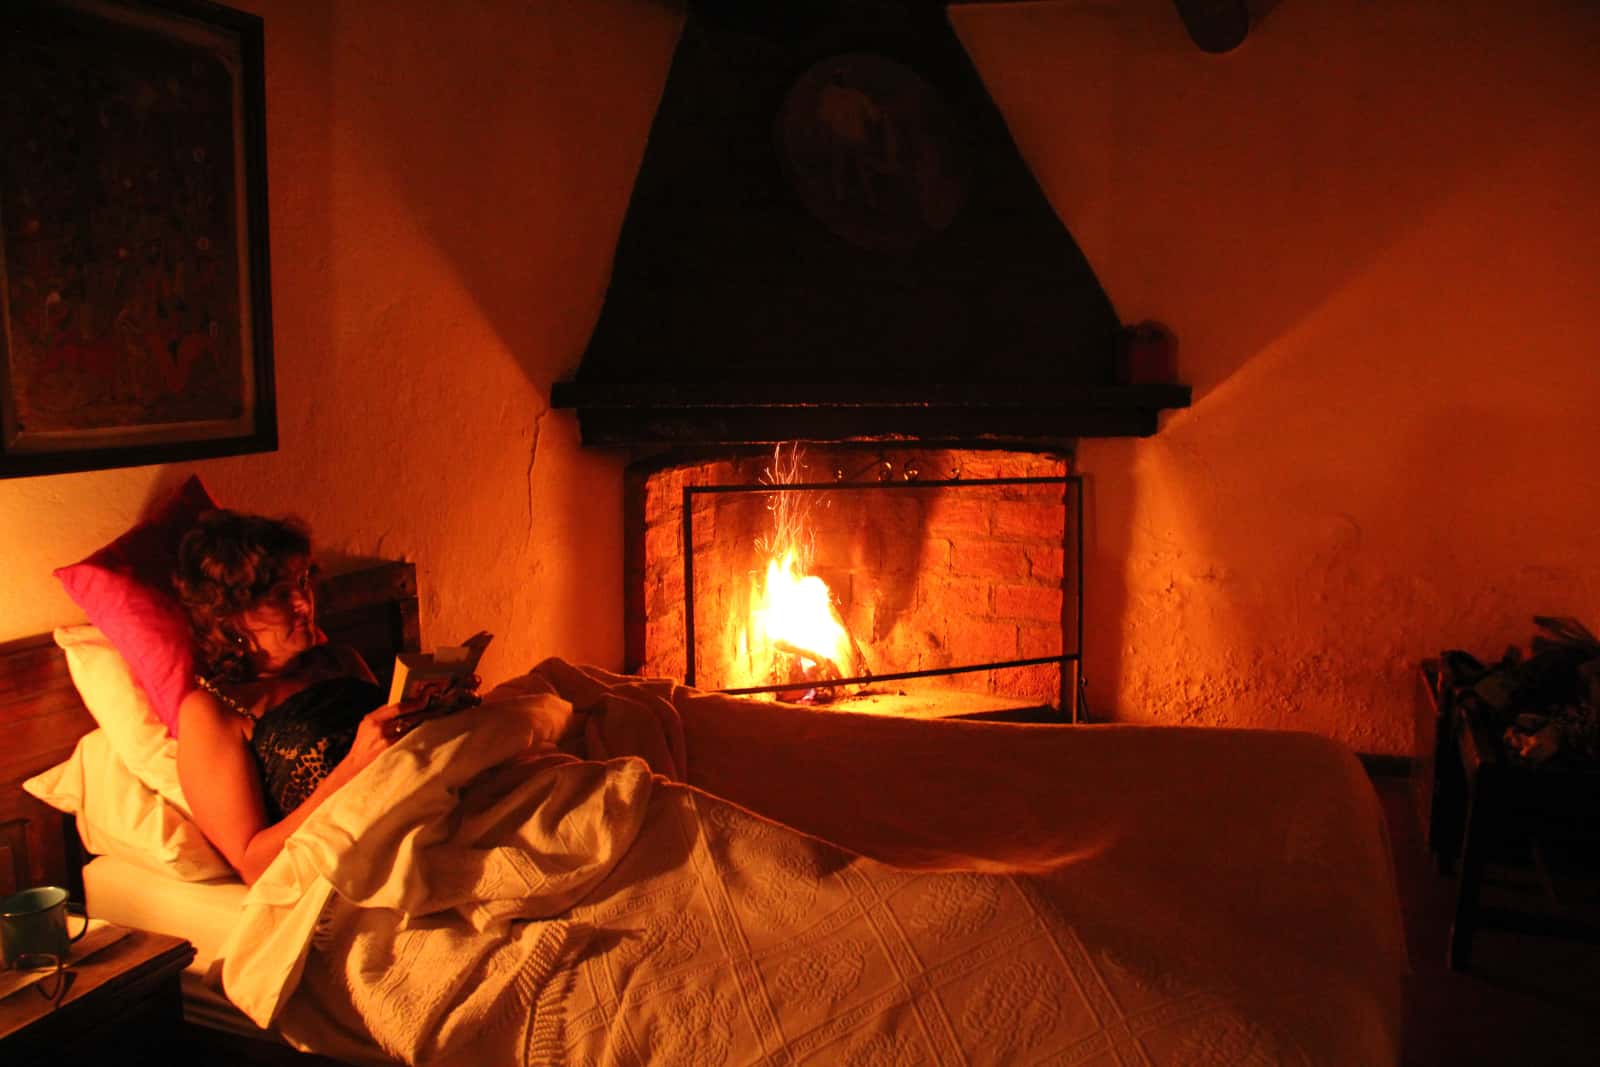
(222, 784)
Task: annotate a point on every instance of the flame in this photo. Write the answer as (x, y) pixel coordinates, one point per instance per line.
(793, 631)
(794, 613)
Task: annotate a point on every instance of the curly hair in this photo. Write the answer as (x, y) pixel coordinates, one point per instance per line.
(229, 563)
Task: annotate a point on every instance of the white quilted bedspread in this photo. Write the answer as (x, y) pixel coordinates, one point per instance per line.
(476, 897)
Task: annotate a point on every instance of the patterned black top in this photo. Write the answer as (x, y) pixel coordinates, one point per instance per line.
(298, 742)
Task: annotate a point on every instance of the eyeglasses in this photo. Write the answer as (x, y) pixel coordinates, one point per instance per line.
(303, 583)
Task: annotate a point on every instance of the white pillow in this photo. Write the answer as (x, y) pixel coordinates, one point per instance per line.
(121, 708)
(121, 817)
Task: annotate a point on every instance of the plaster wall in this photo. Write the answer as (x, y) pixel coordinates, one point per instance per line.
(1370, 228)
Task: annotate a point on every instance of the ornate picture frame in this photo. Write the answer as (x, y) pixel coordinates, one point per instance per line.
(135, 302)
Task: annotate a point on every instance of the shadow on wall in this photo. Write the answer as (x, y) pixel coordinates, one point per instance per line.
(513, 133)
(300, 168)
(1229, 195)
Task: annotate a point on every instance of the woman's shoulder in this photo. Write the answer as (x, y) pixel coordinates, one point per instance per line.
(208, 705)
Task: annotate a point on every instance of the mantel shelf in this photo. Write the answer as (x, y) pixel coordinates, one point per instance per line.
(756, 413)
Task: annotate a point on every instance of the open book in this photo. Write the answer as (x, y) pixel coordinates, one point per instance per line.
(427, 675)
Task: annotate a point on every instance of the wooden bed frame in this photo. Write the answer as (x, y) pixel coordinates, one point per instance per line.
(372, 606)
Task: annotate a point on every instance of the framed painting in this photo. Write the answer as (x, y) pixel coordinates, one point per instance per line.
(135, 313)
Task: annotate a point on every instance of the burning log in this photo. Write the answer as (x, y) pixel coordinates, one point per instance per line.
(809, 672)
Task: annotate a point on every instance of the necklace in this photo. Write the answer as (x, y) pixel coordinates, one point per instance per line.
(226, 700)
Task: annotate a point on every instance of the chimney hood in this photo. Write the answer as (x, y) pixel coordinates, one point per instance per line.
(833, 237)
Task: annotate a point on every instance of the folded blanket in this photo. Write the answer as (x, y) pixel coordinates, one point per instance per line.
(417, 872)
(481, 894)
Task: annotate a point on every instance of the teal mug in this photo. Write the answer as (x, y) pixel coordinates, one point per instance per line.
(33, 927)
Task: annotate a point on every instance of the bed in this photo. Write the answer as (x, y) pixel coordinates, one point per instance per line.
(592, 868)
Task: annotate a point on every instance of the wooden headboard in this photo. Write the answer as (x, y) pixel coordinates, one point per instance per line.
(372, 607)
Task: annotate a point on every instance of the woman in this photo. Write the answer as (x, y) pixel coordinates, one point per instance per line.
(281, 719)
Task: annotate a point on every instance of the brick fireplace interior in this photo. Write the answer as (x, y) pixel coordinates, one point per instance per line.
(953, 572)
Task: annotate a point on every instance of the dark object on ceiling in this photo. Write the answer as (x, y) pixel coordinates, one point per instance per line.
(1215, 25)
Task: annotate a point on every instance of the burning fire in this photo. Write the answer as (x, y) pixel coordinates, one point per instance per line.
(796, 634)
(796, 616)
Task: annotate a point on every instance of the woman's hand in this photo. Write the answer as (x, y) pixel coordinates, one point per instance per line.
(378, 730)
(458, 697)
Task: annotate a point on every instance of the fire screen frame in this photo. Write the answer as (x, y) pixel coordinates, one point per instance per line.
(1069, 661)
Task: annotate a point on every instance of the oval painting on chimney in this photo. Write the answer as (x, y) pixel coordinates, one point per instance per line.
(873, 152)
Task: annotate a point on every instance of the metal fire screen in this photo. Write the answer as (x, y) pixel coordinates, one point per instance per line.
(1068, 661)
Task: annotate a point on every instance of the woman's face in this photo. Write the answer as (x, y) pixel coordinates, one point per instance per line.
(283, 623)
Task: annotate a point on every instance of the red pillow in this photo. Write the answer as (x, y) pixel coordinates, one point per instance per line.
(126, 590)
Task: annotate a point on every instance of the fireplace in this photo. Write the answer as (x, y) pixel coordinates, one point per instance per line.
(906, 580)
(833, 239)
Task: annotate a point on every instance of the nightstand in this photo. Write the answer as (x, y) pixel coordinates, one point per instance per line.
(121, 1007)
